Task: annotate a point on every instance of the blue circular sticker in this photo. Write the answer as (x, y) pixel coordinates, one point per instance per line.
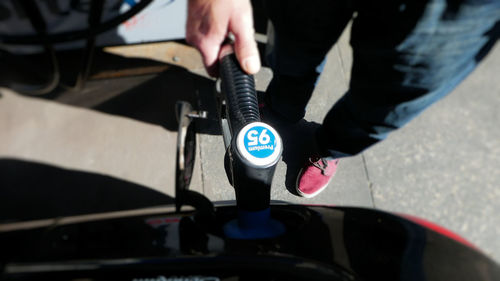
(259, 144)
(259, 141)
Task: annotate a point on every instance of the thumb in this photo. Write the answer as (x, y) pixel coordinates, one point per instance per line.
(245, 46)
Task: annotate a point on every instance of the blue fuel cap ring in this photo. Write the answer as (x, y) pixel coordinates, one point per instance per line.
(259, 144)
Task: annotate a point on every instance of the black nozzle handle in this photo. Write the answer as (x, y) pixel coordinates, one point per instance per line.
(239, 92)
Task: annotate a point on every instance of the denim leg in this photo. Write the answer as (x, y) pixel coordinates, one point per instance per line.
(304, 32)
(407, 55)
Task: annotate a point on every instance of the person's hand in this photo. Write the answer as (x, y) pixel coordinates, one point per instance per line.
(210, 21)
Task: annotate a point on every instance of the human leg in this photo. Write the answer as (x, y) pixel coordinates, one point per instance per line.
(407, 56)
(304, 32)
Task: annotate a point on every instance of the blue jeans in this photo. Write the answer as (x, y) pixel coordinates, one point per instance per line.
(406, 56)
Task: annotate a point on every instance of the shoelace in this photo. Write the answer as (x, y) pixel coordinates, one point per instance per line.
(319, 163)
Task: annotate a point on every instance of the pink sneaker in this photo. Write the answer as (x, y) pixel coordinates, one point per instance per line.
(315, 176)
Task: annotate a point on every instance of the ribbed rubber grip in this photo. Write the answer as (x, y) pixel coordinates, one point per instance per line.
(239, 90)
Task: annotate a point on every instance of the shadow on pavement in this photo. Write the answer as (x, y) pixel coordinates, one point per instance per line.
(32, 191)
(298, 144)
(134, 89)
(154, 100)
